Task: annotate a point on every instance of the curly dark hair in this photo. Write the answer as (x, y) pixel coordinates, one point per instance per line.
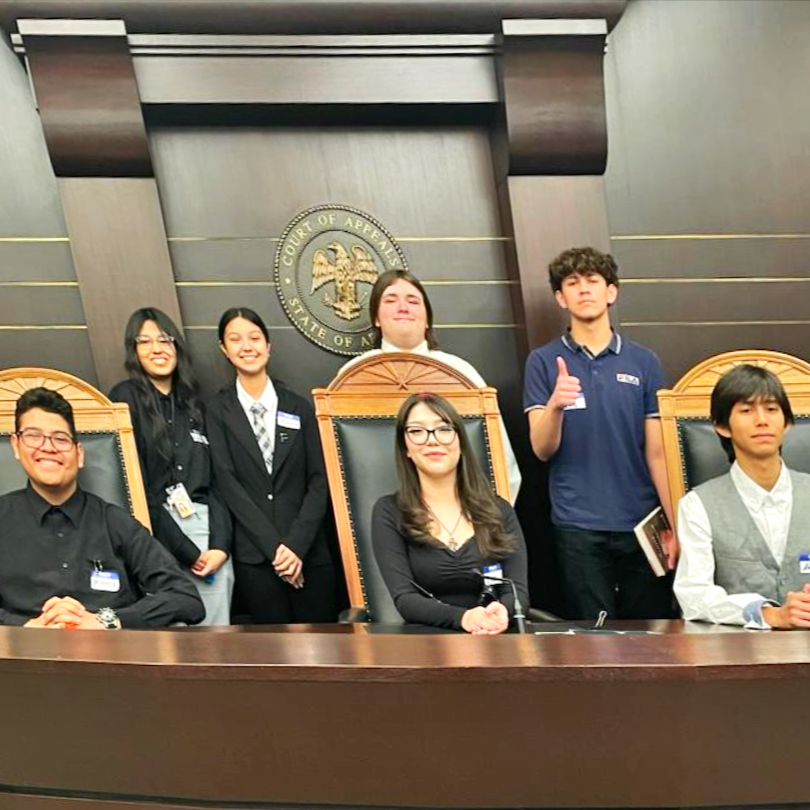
(474, 491)
(46, 400)
(581, 261)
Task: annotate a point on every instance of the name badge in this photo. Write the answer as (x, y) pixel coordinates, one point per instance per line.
(107, 581)
(180, 500)
(198, 437)
(630, 379)
(578, 404)
(804, 563)
(493, 573)
(289, 420)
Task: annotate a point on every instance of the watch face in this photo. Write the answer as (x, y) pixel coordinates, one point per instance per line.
(108, 617)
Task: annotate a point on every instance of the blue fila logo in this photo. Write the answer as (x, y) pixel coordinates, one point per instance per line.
(628, 378)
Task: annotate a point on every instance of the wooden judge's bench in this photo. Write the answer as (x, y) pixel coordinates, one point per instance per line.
(357, 716)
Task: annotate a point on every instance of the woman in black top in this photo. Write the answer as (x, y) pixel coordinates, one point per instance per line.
(444, 525)
(167, 417)
(270, 471)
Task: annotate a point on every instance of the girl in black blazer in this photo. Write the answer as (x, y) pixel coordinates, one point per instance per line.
(269, 469)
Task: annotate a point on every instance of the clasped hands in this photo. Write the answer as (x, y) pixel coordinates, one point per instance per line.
(486, 621)
(65, 613)
(289, 566)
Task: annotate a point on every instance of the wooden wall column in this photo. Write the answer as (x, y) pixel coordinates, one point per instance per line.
(550, 154)
(88, 99)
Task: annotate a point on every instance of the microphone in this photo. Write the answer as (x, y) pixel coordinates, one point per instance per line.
(520, 617)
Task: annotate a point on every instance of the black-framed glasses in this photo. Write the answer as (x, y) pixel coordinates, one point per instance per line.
(34, 439)
(163, 341)
(444, 434)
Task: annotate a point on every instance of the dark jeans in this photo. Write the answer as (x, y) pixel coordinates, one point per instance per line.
(608, 571)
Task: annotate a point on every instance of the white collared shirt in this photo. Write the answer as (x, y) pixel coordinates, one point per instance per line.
(695, 588)
(269, 399)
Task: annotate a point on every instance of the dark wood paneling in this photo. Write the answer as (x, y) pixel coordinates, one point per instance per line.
(554, 103)
(710, 137)
(252, 182)
(316, 80)
(29, 198)
(452, 303)
(713, 258)
(252, 259)
(89, 104)
(41, 305)
(716, 301)
(414, 706)
(314, 16)
(552, 214)
(121, 258)
(64, 349)
(708, 118)
(681, 347)
(36, 261)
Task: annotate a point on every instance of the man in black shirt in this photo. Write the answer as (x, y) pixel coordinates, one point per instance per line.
(68, 558)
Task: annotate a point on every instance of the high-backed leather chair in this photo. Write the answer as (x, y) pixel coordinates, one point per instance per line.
(356, 418)
(111, 467)
(692, 448)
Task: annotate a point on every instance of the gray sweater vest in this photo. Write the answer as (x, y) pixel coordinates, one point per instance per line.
(743, 561)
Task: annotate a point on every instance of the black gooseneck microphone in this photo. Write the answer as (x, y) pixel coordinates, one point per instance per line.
(519, 615)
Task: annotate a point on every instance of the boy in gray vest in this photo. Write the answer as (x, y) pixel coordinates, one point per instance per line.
(745, 545)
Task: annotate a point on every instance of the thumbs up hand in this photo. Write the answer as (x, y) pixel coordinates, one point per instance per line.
(567, 389)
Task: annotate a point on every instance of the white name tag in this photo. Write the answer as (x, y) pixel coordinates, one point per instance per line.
(804, 563)
(493, 573)
(107, 581)
(289, 420)
(578, 405)
(630, 379)
(198, 437)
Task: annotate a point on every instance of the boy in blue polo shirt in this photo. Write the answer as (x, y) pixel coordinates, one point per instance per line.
(591, 400)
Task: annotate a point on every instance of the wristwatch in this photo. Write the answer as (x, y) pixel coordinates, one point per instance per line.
(108, 618)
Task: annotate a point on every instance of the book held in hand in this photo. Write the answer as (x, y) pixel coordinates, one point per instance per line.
(648, 532)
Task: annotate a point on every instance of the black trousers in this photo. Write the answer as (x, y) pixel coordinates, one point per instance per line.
(262, 597)
(608, 571)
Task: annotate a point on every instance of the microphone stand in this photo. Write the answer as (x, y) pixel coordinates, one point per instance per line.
(518, 614)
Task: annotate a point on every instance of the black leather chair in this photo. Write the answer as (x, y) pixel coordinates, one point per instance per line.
(693, 450)
(103, 472)
(704, 458)
(366, 449)
(111, 470)
(356, 417)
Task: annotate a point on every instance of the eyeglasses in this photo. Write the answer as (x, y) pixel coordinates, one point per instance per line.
(444, 434)
(163, 341)
(34, 439)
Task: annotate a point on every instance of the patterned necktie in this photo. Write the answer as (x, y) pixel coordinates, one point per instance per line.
(262, 435)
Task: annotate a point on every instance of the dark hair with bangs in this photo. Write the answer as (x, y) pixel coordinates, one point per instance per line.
(474, 491)
(185, 388)
(581, 262)
(746, 383)
(383, 282)
(46, 400)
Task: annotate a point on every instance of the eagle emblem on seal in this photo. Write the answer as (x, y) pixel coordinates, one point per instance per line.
(345, 269)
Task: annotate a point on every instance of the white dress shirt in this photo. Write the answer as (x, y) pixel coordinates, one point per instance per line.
(695, 588)
(469, 371)
(269, 399)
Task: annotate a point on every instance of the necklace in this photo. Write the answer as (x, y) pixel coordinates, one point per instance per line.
(451, 543)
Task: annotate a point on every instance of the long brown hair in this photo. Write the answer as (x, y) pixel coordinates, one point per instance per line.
(475, 493)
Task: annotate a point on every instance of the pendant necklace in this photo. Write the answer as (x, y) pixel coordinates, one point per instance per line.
(453, 544)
